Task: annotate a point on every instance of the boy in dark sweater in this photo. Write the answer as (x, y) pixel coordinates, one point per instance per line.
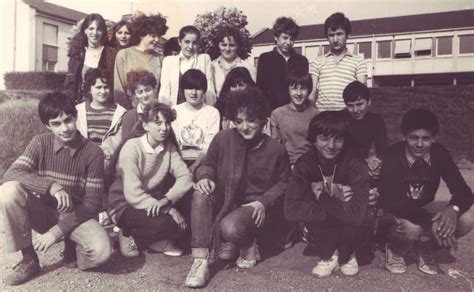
(409, 180)
(55, 187)
(328, 192)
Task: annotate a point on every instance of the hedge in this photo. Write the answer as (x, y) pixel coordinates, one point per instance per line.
(39, 80)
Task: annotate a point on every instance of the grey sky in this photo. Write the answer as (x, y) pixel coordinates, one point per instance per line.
(262, 13)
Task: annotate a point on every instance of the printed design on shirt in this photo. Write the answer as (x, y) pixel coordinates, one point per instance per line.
(415, 191)
(192, 135)
(418, 179)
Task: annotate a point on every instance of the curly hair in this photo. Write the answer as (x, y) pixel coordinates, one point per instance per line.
(113, 39)
(250, 100)
(90, 79)
(143, 25)
(227, 31)
(139, 77)
(286, 25)
(79, 41)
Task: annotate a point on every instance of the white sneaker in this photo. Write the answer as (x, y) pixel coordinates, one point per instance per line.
(166, 247)
(351, 268)
(128, 248)
(324, 268)
(199, 274)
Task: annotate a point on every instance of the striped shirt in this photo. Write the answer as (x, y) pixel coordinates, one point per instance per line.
(98, 122)
(334, 76)
(76, 167)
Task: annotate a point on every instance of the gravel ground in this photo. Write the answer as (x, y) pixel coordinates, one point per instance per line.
(287, 271)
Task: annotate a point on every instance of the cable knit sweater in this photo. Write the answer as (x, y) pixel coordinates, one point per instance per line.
(140, 174)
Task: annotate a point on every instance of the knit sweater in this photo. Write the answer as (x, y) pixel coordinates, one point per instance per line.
(78, 168)
(397, 183)
(140, 174)
(301, 203)
(290, 127)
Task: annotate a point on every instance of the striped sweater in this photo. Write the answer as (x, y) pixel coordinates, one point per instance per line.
(77, 168)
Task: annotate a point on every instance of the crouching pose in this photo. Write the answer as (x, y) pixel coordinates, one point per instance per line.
(55, 187)
(328, 192)
(409, 180)
(239, 184)
(150, 177)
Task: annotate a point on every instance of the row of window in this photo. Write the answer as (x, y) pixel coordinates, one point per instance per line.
(50, 47)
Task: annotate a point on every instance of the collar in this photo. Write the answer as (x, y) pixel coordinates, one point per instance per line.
(182, 57)
(411, 159)
(148, 148)
(140, 108)
(237, 60)
(347, 53)
(292, 52)
(73, 146)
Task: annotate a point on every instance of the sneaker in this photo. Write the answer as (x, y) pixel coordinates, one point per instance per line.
(351, 268)
(244, 263)
(22, 272)
(105, 220)
(324, 268)
(128, 248)
(166, 247)
(394, 263)
(199, 274)
(228, 251)
(426, 260)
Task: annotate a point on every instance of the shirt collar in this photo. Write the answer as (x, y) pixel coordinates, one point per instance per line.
(182, 57)
(237, 60)
(411, 159)
(346, 53)
(73, 146)
(140, 108)
(148, 148)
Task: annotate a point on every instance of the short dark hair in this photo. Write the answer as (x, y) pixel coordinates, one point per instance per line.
(189, 29)
(328, 123)
(171, 45)
(238, 75)
(143, 25)
(139, 77)
(193, 79)
(354, 91)
(91, 77)
(419, 118)
(296, 78)
(286, 25)
(251, 100)
(53, 104)
(337, 20)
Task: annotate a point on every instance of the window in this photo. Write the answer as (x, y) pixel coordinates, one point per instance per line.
(384, 49)
(350, 48)
(402, 49)
(466, 44)
(311, 53)
(50, 47)
(365, 49)
(423, 47)
(445, 45)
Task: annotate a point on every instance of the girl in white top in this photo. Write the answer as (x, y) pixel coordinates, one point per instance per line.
(175, 66)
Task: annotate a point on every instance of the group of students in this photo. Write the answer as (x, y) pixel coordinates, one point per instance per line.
(246, 167)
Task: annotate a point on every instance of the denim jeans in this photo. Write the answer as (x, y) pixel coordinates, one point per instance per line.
(24, 212)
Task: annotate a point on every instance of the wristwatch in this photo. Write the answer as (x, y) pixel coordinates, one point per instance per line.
(455, 208)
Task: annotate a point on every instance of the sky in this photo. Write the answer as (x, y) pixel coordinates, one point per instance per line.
(262, 13)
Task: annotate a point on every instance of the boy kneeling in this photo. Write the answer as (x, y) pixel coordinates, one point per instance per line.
(329, 193)
(409, 180)
(55, 187)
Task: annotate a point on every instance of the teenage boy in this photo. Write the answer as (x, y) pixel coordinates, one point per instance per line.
(328, 192)
(289, 123)
(274, 66)
(55, 188)
(409, 180)
(333, 71)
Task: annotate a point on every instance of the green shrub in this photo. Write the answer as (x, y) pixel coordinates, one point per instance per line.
(39, 80)
(19, 123)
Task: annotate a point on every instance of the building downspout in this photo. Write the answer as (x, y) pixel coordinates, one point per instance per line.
(14, 35)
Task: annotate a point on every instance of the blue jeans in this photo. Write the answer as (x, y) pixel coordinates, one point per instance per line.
(24, 212)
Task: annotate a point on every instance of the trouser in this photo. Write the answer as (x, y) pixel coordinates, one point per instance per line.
(325, 237)
(23, 211)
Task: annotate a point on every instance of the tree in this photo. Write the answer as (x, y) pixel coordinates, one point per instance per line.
(208, 22)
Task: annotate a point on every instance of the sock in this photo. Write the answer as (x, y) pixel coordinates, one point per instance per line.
(29, 253)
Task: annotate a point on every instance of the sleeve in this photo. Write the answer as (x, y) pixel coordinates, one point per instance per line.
(252, 71)
(25, 169)
(92, 200)
(300, 203)
(165, 82)
(263, 74)
(212, 127)
(211, 90)
(381, 140)
(120, 79)
(275, 127)
(69, 80)
(283, 172)
(361, 70)
(353, 211)
(208, 166)
(315, 68)
(182, 175)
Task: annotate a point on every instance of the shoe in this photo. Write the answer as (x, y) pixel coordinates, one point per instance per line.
(166, 247)
(394, 263)
(69, 254)
(244, 263)
(426, 260)
(22, 272)
(324, 268)
(351, 268)
(128, 248)
(228, 251)
(105, 220)
(199, 274)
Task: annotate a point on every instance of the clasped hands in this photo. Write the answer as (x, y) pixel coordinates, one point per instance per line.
(342, 192)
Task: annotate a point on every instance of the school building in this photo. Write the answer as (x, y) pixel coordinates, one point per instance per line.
(411, 50)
